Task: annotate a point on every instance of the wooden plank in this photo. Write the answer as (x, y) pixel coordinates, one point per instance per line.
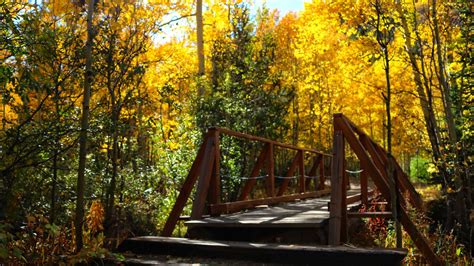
(231, 207)
(387, 215)
(284, 183)
(264, 140)
(250, 183)
(301, 180)
(335, 212)
(263, 253)
(270, 180)
(215, 185)
(345, 187)
(204, 179)
(185, 191)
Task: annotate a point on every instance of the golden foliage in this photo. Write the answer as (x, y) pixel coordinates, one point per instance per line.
(95, 217)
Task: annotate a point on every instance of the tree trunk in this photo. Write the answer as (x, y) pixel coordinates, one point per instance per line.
(114, 117)
(200, 45)
(84, 127)
(420, 86)
(444, 84)
(383, 42)
(56, 150)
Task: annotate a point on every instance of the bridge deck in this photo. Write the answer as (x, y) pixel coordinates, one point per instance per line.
(310, 213)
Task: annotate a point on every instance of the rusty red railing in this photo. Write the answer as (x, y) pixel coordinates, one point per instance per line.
(205, 171)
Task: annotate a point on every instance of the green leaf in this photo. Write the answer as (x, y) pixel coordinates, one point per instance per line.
(3, 252)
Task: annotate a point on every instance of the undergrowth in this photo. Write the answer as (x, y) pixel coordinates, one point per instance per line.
(380, 232)
(40, 242)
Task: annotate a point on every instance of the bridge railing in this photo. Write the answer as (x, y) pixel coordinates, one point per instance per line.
(374, 161)
(206, 169)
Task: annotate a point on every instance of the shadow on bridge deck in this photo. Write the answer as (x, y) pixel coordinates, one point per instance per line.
(299, 222)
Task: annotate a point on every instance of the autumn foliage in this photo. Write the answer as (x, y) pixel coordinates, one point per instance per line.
(280, 76)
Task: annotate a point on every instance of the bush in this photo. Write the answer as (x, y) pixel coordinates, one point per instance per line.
(419, 169)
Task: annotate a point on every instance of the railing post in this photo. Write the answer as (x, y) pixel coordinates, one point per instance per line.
(204, 178)
(215, 185)
(345, 186)
(270, 181)
(301, 182)
(337, 227)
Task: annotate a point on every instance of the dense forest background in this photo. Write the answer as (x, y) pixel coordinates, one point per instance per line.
(113, 89)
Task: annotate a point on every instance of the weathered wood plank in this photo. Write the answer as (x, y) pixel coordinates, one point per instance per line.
(236, 206)
(264, 253)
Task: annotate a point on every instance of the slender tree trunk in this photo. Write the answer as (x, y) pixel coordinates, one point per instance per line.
(391, 167)
(421, 84)
(52, 215)
(114, 94)
(200, 45)
(460, 200)
(383, 42)
(443, 80)
(114, 160)
(81, 184)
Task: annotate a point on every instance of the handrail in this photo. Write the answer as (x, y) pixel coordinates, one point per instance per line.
(374, 159)
(264, 140)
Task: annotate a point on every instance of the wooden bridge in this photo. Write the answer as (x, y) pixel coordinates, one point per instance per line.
(315, 211)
